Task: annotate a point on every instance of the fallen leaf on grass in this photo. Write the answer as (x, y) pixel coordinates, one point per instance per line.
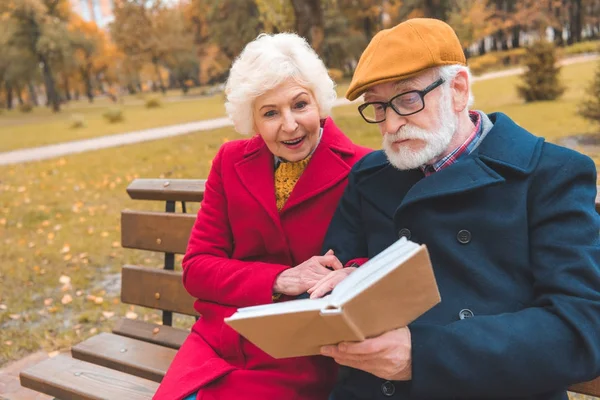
(53, 354)
(48, 302)
(8, 343)
(66, 248)
(3, 307)
(98, 300)
(14, 316)
(66, 299)
(131, 315)
(93, 331)
(108, 314)
(64, 279)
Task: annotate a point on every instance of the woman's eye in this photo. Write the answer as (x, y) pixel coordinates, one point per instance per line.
(301, 104)
(270, 113)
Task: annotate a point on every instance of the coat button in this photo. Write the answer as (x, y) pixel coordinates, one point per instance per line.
(404, 232)
(463, 236)
(388, 389)
(465, 313)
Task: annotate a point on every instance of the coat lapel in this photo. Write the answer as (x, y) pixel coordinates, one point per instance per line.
(507, 148)
(256, 172)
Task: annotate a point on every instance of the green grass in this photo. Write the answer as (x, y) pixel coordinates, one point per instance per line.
(39, 128)
(61, 217)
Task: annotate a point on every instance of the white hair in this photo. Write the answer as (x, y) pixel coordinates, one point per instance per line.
(449, 72)
(265, 63)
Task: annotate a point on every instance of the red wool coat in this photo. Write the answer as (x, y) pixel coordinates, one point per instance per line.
(238, 245)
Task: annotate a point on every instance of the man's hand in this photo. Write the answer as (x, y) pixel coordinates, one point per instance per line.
(387, 356)
(299, 279)
(327, 283)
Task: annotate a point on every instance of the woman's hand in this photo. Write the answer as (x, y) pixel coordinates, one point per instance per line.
(330, 281)
(299, 279)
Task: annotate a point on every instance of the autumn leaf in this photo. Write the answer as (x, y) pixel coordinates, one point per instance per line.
(66, 299)
(64, 279)
(131, 315)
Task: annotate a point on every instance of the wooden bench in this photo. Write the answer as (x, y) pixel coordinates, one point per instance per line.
(130, 362)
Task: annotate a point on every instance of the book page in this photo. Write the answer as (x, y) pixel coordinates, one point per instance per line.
(372, 271)
(281, 308)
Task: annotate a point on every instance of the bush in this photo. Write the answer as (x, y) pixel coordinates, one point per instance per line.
(541, 78)
(25, 108)
(336, 74)
(590, 105)
(153, 102)
(113, 115)
(77, 121)
(496, 60)
(582, 48)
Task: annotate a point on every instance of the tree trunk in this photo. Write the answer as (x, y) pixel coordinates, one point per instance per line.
(309, 22)
(516, 32)
(76, 94)
(53, 99)
(87, 80)
(33, 94)
(9, 96)
(576, 22)
(67, 88)
(160, 81)
(482, 47)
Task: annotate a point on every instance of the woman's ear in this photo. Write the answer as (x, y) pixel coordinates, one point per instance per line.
(460, 91)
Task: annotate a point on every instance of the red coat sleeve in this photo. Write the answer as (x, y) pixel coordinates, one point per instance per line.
(209, 272)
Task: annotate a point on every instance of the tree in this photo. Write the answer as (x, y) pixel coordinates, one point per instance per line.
(541, 79)
(590, 105)
(309, 22)
(40, 29)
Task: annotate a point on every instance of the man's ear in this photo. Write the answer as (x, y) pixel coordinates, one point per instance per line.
(460, 91)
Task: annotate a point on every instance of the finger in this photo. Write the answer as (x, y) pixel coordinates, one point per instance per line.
(330, 261)
(320, 281)
(326, 285)
(366, 347)
(329, 252)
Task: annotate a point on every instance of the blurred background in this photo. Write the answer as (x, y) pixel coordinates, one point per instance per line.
(74, 70)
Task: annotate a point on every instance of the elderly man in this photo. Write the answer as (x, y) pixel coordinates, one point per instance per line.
(509, 222)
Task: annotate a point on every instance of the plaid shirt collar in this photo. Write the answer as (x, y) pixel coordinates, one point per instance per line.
(462, 150)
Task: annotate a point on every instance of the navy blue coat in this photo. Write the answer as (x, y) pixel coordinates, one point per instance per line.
(513, 236)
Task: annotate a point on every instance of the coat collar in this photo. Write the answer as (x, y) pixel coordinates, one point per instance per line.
(325, 169)
(507, 147)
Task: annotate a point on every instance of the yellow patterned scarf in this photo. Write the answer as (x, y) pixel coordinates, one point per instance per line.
(286, 176)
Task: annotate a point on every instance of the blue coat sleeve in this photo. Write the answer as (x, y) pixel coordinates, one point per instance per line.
(556, 340)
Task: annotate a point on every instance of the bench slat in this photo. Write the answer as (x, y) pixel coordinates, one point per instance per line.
(156, 231)
(152, 333)
(131, 356)
(167, 189)
(591, 388)
(155, 288)
(69, 379)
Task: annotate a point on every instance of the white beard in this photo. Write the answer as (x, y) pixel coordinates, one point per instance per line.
(436, 141)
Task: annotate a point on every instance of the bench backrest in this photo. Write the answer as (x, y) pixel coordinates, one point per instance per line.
(166, 232)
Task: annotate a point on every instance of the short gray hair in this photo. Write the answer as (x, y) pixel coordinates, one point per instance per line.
(265, 63)
(449, 72)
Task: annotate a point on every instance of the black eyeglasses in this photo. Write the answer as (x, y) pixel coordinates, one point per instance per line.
(404, 104)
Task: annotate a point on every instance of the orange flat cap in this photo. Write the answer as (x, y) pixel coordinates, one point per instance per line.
(404, 51)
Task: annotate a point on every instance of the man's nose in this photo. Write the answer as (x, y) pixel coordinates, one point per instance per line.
(393, 122)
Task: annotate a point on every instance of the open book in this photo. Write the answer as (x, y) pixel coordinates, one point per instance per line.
(387, 292)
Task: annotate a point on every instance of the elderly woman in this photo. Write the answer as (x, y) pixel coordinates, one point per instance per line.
(267, 205)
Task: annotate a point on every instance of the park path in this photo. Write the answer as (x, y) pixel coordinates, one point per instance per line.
(103, 142)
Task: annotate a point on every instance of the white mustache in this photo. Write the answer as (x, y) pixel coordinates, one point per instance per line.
(407, 132)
